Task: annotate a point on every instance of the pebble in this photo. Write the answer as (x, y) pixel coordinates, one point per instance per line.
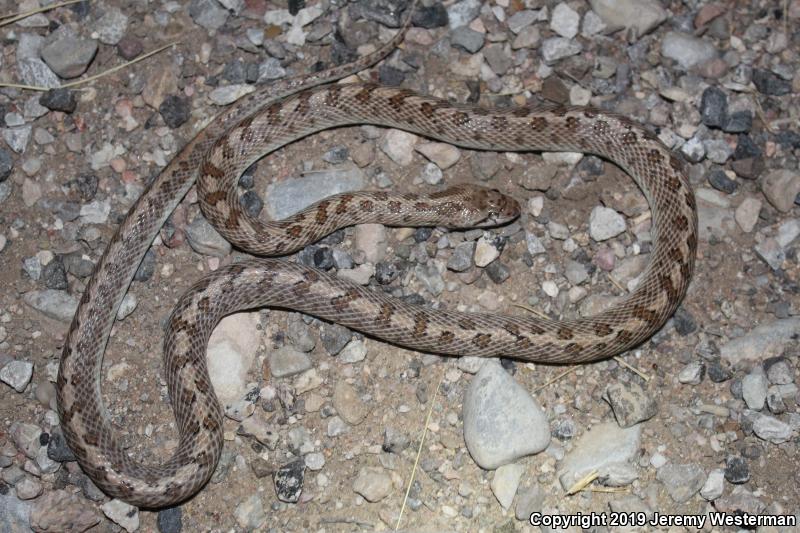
(287, 197)
(600, 448)
(205, 239)
(779, 371)
(754, 389)
(461, 259)
(605, 223)
(334, 338)
(555, 48)
(485, 252)
(58, 305)
(17, 138)
(714, 107)
(631, 403)
(641, 15)
(59, 100)
(69, 56)
(354, 352)
(692, 374)
(28, 488)
(61, 510)
(688, 51)
(372, 241)
(505, 483)
(111, 27)
(442, 154)
(314, 461)
(682, 481)
(287, 361)
(502, 422)
(771, 429)
(289, 481)
(208, 14)
(348, 404)
(373, 483)
(746, 214)
(768, 83)
(231, 351)
(128, 305)
(17, 374)
(399, 146)
(250, 513)
(565, 21)
(529, 500)
(781, 187)
(175, 110)
(122, 513)
(463, 12)
(467, 39)
(714, 485)
(737, 471)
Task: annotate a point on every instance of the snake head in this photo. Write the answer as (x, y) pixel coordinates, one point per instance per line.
(493, 208)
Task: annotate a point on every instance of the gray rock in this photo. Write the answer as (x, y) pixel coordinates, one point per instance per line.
(291, 195)
(714, 485)
(289, 481)
(374, 484)
(565, 21)
(122, 513)
(17, 374)
(206, 240)
(430, 277)
(681, 481)
(754, 389)
(604, 445)
(556, 48)
(605, 223)
(61, 510)
(781, 187)
(688, 51)
(111, 27)
(461, 259)
(530, 500)
(770, 428)
(692, 374)
(286, 361)
(14, 514)
(771, 252)
(58, 305)
(762, 342)
(17, 138)
(505, 483)
(70, 56)
(208, 14)
(467, 38)
(641, 15)
(498, 58)
(502, 422)
(348, 404)
(299, 334)
(779, 371)
(463, 12)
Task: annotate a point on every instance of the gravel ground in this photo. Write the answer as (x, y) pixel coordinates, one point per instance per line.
(323, 425)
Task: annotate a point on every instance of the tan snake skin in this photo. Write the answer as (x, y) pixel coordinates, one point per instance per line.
(271, 118)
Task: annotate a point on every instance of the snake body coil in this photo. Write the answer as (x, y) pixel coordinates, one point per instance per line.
(271, 118)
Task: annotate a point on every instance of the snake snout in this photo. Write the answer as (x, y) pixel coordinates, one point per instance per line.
(498, 208)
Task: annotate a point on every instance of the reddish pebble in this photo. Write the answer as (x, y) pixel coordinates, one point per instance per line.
(708, 13)
(118, 164)
(605, 259)
(129, 176)
(129, 48)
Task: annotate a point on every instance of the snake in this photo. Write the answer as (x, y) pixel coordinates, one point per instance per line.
(288, 110)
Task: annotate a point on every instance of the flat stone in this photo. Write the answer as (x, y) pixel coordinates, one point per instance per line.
(374, 484)
(601, 447)
(502, 422)
(205, 239)
(17, 374)
(505, 483)
(682, 481)
(688, 51)
(762, 342)
(58, 305)
(231, 352)
(287, 361)
(781, 187)
(605, 223)
(289, 196)
(641, 15)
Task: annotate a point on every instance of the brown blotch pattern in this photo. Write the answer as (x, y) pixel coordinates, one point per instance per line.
(446, 337)
(420, 324)
(601, 329)
(385, 314)
(367, 206)
(344, 203)
(321, 216)
(482, 340)
(564, 333)
(210, 169)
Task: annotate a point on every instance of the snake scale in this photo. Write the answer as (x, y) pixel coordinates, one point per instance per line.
(282, 113)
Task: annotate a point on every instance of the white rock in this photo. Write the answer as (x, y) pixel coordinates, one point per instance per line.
(565, 21)
(505, 483)
(231, 352)
(399, 146)
(605, 223)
